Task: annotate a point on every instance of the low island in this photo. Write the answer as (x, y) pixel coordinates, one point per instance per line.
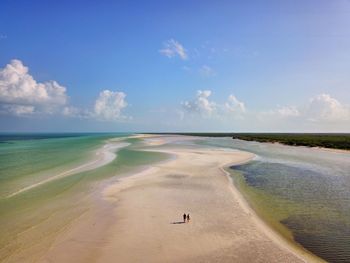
(339, 141)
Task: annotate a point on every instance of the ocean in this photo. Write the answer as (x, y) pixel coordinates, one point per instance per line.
(301, 192)
(35, 209)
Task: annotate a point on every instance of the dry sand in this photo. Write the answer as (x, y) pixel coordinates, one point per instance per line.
(149, 208)
(147, 213)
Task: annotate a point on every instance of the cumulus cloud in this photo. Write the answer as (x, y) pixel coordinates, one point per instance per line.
(322, 109)
(172, 48)
(234, 105)
(109, 105)
(21, 94)
(325, 108)
(201, 104)
(204, 107)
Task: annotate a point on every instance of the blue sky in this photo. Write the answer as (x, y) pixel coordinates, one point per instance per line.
(175, 66)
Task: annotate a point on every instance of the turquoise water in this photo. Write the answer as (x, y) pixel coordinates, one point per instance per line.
(302, 190)
(33, 158)
(32, 219)
(305, 190)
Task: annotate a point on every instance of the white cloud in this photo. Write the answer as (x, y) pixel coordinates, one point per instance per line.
(322, 109)
(21, 94)
(234, 105)
(17, 110)
(201, 104)
(204, 107)
(172, 48)
(325, 108)
(109, 105)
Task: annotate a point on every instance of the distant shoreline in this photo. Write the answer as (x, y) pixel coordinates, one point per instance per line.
(337, 141)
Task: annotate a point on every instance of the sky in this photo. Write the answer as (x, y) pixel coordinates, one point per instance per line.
(153, 66)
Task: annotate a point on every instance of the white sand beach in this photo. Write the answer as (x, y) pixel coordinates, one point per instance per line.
(147, 211)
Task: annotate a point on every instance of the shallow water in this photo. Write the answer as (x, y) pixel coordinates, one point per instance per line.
(302, 190)
(306, 190)
(31, 220)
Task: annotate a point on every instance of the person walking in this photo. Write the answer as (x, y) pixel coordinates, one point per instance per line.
(188, 218)
(184, 216)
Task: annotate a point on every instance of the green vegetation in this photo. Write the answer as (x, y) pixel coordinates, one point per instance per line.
(335, 141)
(326, 140)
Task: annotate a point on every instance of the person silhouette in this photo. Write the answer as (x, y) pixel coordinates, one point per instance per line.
(184, 216)
(188, 218)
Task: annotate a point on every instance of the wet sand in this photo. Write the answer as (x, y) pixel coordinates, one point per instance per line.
(145, 217)
(101, 157)
(149, 208)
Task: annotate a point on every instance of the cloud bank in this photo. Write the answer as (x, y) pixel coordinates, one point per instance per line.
(322, 108)
(325, 108)
(22, 95)
(320, 113)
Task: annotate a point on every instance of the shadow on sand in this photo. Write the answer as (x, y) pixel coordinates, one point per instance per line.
(178, 222)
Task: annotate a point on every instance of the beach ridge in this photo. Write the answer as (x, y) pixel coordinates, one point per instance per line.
(145, 215)
(173, 173)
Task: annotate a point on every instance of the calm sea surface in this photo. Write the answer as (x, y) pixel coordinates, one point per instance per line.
(302, 190)
(32, 219)
(304, 193)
